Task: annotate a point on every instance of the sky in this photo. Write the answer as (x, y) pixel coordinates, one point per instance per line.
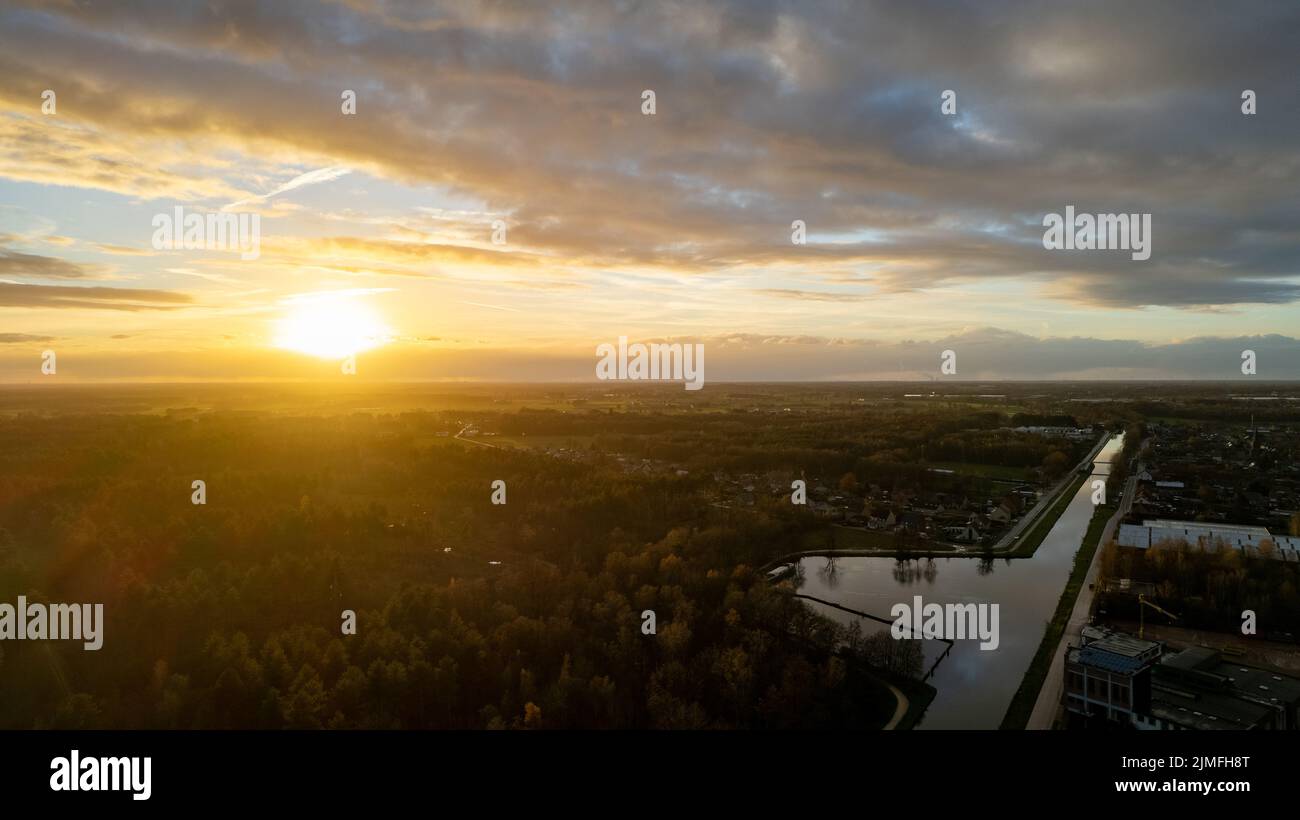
(500, 203)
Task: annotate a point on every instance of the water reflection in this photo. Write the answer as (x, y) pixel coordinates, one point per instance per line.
(828, 574)
(908, 571)
(974, 686)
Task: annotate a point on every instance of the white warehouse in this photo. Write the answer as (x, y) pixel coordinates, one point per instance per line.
(1208, 536)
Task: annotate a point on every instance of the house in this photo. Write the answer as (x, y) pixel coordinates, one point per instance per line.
(966, 534)
(886, 522)
(912, 521)
(824, 510)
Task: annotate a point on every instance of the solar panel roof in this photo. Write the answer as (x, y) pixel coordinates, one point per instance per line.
(1100, 658)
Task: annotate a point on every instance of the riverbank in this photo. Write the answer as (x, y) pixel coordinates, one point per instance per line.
(837, 540)
(1026, 696)
(1026, 547)
(975, 687)
(898, 702)
(834, 537)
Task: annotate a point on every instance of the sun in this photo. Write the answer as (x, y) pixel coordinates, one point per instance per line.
(331, 327)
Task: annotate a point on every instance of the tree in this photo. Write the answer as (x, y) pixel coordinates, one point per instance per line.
(1054, 464)
(532, 716)
(79, 711)
(305, 706)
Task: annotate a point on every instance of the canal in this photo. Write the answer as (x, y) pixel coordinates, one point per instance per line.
(974, 686)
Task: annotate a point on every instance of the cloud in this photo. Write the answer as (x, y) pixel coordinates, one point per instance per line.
(13, 294)
(983, 354)
(811, 295)
(994, 353)
(23, 338)
(15, 263)
(493, 307)
(331, 295)
(545, 284)
(98, 156)
(310, 178)
(767, 112)
(387, 256)
(122, 250)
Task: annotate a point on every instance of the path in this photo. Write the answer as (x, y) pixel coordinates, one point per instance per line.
(1048, 499)
(462, 437)
(903, 704)
(901, 701)
(1049, 696)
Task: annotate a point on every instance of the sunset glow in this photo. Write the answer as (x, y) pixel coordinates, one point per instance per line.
(331, 328)
(500, 190)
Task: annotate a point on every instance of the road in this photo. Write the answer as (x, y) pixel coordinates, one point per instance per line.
(1049, 697)
(461, 435)
(1008, 541)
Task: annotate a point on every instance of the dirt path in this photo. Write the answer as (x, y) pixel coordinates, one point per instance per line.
(900, 709)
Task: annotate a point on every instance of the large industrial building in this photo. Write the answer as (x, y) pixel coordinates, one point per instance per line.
(1251, 540)
(1117, 679)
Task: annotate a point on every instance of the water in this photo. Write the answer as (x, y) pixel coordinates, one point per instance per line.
(974, 686)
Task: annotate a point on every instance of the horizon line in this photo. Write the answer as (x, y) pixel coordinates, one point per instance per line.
(632, 383)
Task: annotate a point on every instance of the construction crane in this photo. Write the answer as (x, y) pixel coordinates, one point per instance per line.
(1142, 601)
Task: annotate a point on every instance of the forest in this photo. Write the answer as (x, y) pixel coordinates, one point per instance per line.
(1208, 588)
(470, 614)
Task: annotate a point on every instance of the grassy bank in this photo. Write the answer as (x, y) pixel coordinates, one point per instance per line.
(1022, 704)
(1029, 543)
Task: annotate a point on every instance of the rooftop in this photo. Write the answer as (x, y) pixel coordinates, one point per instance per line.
(1092, 656)
(1258, 532)
(1119, 643)
(1202, 709)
